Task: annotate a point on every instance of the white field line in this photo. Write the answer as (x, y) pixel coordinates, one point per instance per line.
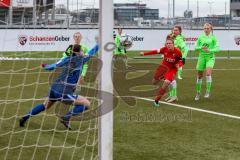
(194, 109)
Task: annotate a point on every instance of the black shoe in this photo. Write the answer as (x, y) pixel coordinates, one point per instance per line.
(156, 103)
(22, 122)
(65, 123)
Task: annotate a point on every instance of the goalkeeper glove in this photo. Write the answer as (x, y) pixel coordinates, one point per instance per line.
(49, 67)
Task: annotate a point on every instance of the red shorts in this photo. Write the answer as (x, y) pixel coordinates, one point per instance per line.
(168, 75)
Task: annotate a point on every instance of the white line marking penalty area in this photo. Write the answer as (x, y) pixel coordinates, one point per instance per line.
(192, 108)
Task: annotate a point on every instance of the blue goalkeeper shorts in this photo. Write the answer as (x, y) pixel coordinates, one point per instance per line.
(65, 98)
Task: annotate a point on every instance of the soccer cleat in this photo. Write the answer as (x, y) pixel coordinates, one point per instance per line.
(173, 99)
(197, 97)
(168, 98)
(207, 95)
(179, 77)
(65, 123)
(156, 103)
(22, 122)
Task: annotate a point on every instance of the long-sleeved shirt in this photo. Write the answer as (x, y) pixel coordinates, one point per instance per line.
(171, 57)
(119, 48)
(85, 51)
(210, 42)
(70, 70)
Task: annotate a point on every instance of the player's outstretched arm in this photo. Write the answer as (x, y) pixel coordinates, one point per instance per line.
(60, 63)
(93, 50)
(91, 53)
(49, 67)
(150, 52)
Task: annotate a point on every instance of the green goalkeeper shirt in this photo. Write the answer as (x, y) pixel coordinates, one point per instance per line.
(210, 42)
(119, 48)
(118, 41)
(85, 51)
(179, 42)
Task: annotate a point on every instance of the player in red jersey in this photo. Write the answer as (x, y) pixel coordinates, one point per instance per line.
(167, 70)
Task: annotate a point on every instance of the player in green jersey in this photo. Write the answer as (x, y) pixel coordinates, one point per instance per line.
(179, 42)
(207, 46)
(77, 40)
(120, 51)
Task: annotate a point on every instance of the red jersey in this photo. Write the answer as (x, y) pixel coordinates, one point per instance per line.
(171, 58)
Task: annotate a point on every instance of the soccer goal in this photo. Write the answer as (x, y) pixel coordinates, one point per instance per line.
(25, 84)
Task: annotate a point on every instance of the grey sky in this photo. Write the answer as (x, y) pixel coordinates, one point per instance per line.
(218, 6)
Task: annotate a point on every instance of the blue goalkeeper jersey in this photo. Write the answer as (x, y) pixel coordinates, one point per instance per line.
(70, 70)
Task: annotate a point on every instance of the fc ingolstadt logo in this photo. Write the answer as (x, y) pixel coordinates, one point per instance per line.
(22, 39)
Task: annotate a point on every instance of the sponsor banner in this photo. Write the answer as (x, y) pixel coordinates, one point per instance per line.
(22, 3)
(42, 39)
(154, 39)
(59, 39)
(4, 3)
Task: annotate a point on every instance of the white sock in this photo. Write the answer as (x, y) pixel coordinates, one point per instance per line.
(199, 80)
(209, 78)
(174, 84)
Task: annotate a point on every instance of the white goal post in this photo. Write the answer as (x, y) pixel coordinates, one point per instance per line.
(106, 121)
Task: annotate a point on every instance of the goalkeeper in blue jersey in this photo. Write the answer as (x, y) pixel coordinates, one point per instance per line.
(63, 87)
(77, 40)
